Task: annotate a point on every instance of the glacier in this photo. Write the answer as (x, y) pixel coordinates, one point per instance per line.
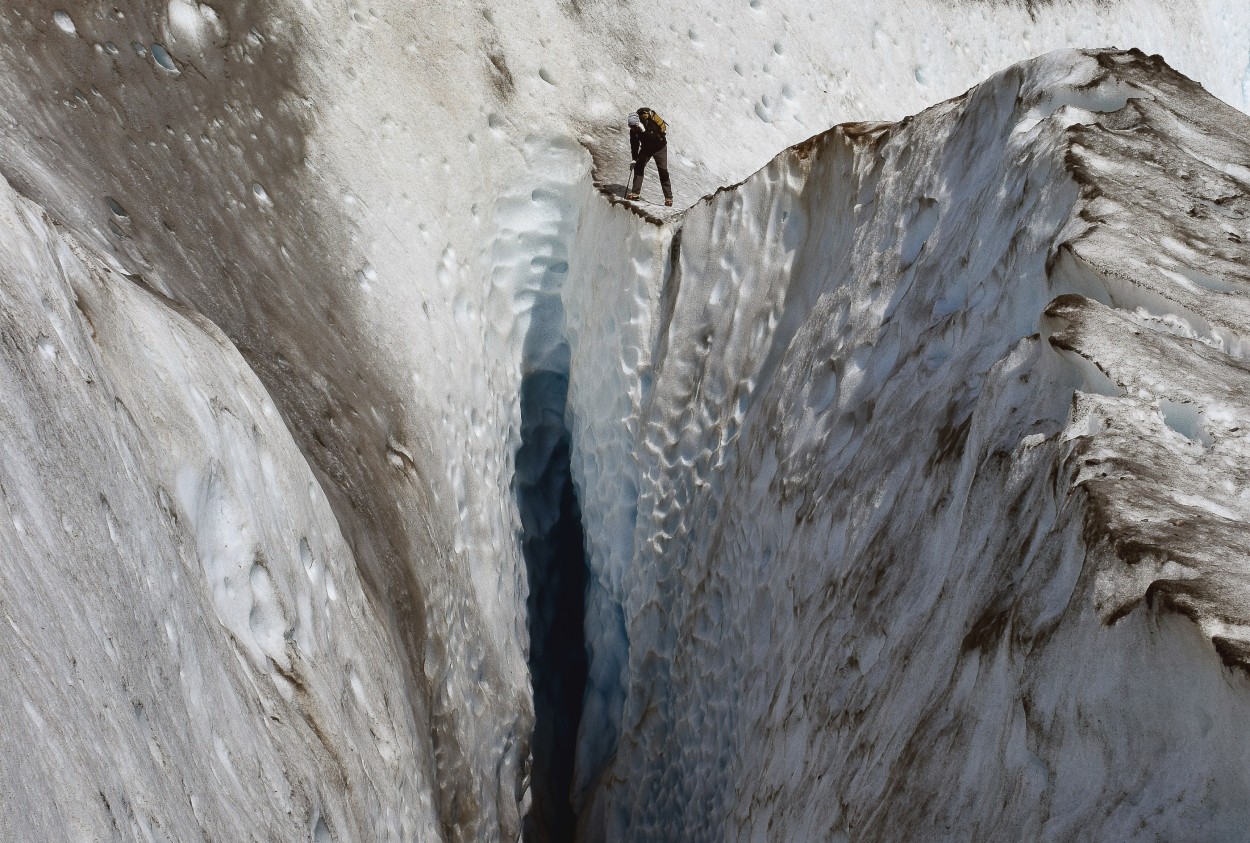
(907, 464)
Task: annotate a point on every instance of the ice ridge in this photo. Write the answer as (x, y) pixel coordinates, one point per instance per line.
(912, 466)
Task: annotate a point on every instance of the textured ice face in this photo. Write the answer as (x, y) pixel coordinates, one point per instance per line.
(191, 643)
(369, 203)
(950, 446)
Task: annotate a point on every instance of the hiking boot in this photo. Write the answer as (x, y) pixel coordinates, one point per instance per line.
(668, 203)
(632, 196)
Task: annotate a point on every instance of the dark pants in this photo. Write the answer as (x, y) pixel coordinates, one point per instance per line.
(661, 163)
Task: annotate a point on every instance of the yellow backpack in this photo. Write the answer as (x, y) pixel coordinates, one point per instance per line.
(652, 123)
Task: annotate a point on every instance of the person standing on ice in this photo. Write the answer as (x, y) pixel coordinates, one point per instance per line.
(647, 140)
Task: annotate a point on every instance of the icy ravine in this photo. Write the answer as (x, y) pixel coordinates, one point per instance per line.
(309, 177)
(934, 432)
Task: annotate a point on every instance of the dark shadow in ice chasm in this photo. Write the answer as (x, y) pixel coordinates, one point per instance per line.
(553, 545)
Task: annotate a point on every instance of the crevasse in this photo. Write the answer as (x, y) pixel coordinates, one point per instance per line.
(580, 270)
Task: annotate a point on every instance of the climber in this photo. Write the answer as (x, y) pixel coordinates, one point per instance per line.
(647, 140)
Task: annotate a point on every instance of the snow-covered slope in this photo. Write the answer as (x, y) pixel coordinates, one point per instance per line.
(188, 646)
(935, 439)
(382, 208)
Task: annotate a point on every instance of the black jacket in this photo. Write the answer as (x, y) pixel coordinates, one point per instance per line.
(644, 142)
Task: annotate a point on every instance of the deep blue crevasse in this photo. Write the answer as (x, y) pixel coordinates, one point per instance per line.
(554, 550)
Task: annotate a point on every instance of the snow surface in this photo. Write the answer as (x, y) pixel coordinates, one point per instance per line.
(373, 206)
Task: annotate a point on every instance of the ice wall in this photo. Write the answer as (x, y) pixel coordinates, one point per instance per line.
(933, 436)
(189, 643)
(908, 563)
